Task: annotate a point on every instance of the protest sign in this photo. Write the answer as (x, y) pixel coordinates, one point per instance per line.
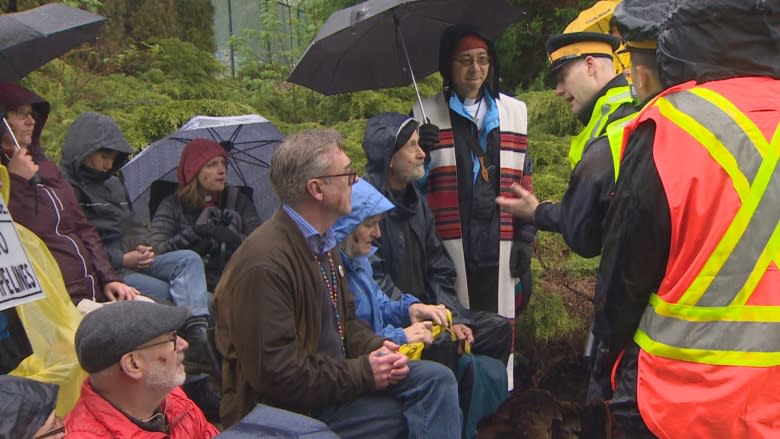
(18, 282)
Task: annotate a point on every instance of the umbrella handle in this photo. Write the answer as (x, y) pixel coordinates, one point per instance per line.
(36, 178)
(11, 132)
(409, 63)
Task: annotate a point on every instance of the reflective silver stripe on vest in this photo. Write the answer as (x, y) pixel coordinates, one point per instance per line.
(723, 127)
(738, 267)
(712, 336)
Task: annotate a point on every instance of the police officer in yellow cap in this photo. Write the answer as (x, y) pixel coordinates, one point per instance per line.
(582, 63)
(583, 67)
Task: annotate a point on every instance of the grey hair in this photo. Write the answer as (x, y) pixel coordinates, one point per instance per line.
(347, 246)
(299, 158)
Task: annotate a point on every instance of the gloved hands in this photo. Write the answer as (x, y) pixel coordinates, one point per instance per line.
(429, 136)
(520, 258)
(219, 233)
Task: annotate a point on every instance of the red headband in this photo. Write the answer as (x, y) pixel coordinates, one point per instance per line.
(470, 42)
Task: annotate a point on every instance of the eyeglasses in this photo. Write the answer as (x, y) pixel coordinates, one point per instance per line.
(467, 61)
(352, 176)
(174, 338)
(22, 114)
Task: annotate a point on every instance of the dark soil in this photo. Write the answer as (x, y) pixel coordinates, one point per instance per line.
(550, 388)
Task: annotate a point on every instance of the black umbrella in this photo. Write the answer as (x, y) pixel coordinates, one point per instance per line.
(31, 38)
(386, 43)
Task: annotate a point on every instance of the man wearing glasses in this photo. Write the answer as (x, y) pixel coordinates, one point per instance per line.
(134, 358)
(480, 150)
(286, 324)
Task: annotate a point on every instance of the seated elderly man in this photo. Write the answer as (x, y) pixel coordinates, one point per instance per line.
(135, 360)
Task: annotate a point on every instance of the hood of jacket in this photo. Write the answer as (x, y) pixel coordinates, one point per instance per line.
(25, 406)
(13, 96)
(91, 132)
(450, 39)
(708, 40)
(366, 202)
(379, 145)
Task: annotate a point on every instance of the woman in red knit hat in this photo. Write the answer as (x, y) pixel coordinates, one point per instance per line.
(204, 215)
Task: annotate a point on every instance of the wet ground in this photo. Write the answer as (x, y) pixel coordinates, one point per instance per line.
(547, 400)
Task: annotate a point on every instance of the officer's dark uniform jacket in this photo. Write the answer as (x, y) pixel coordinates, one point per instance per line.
(578, 217)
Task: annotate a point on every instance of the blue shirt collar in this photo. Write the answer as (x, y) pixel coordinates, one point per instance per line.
(319, 244)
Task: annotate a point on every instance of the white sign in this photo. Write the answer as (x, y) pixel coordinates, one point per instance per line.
(18, 282)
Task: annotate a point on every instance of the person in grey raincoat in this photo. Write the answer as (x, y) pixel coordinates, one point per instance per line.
(94, 150)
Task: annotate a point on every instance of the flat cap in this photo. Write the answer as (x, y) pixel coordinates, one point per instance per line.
(575, 45)
(115, 329)
(639, 22)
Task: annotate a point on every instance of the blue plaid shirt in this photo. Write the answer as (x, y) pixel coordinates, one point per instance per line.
(319, 244)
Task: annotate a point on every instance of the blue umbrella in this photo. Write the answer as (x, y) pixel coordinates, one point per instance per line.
(249, 140)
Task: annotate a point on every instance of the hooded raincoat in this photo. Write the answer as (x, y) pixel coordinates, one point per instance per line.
(101, 194)
(178, 276)
(391, 266)
(52, 212)
(386, 316)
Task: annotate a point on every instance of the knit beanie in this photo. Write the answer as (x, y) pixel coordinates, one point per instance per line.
(404, 133)
(469, 42)
(196, 154)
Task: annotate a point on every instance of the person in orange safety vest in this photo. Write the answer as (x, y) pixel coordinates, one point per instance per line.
(689, 279)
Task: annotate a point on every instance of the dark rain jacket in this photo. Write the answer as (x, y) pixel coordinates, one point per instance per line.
(579, 216)
(390, 261)
(492, 333)
(171, 229)
(101, 194)
(52, 212)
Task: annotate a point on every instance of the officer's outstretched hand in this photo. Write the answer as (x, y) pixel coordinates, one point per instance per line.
(521, 203)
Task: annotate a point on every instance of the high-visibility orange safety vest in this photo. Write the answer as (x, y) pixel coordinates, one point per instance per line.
(709, 364)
